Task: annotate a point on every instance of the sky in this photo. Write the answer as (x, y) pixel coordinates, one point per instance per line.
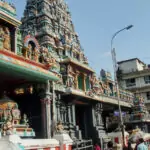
(97, 20)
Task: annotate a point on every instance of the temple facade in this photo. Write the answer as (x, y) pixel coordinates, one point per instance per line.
(45, 71)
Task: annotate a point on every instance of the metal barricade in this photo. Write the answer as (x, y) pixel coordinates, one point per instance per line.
(82, 145)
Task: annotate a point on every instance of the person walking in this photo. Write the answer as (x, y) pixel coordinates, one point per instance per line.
(141, 145)
(130, 146)
(97, 147)
(110, 145)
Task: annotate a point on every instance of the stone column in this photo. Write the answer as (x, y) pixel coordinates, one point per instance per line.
(54, 113)
(44, 129)
(58, 111)
(76, 80)
(69, 114)
(100, 109)
(93, 117)
(46, 112)
(73, 115)
(14, 48)
(84, 82)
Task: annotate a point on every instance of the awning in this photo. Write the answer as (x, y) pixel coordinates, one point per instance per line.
(12, 66)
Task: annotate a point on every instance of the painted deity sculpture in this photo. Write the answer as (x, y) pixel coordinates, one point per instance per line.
(7, 127)
(70, 78)
(16, 115)
(70, 81)
(107, 90)
(95, 85)
(7, 39)
(29, 51)
(25, 120)
(93, 80)
(1, 32)
(36, 55)
(46, 57)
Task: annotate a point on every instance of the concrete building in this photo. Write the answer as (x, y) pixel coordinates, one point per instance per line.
(134, 75)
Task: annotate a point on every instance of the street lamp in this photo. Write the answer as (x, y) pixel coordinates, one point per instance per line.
(115, 76)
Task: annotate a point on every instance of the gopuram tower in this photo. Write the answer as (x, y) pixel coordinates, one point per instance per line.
(79, 97)
(50, 22)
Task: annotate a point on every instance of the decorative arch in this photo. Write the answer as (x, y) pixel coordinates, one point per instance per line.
(30, 39)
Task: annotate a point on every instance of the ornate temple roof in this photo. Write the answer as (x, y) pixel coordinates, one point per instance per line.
(6, 102)
(8, 8)
(8, 13)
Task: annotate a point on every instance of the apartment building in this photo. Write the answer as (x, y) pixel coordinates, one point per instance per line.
(134, 75)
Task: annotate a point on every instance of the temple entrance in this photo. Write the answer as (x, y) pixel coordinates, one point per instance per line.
(28, 101)
(30, 105)
(83, 116)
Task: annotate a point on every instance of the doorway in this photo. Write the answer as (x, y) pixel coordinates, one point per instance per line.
(84, 120)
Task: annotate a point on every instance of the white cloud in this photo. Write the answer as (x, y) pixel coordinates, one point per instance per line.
(106, 54)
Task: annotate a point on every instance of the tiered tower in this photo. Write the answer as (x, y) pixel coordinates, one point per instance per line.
(139, 116)
(139, 109)
(50, 22)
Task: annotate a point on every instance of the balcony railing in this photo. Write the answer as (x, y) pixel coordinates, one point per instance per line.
(130, 119)
(147, 81)
(130, 84)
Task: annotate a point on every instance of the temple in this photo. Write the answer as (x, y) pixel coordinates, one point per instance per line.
(45, 72)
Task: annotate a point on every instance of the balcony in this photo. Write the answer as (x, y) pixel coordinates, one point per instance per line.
(136, 118)
(147, 81)
(102, 97)
(129, 119)
(130, 85)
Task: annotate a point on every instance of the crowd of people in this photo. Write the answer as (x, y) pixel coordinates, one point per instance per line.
(140, 145)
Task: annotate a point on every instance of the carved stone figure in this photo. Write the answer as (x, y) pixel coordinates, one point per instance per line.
(7, 39)
(106, 88)
(93, 80)
(36, 55)
(16, 114)
(25, 120)
(70, 81)
(29, 51)
(90, 93)
(7, 127)
(70, 70)
(59, 127)
(1, 32)
(46, 57)
(44, 54)
(95, 85)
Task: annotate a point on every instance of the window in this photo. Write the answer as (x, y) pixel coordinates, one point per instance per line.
(130, 82)
(147, 79)
(87, 83)
(148, 95)
(80, 82)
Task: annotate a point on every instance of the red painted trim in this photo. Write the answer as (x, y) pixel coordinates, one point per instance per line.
(64, 146)
(70, 147)
(57, 148)
(33, 39)
(21, 58)
(46, 148)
